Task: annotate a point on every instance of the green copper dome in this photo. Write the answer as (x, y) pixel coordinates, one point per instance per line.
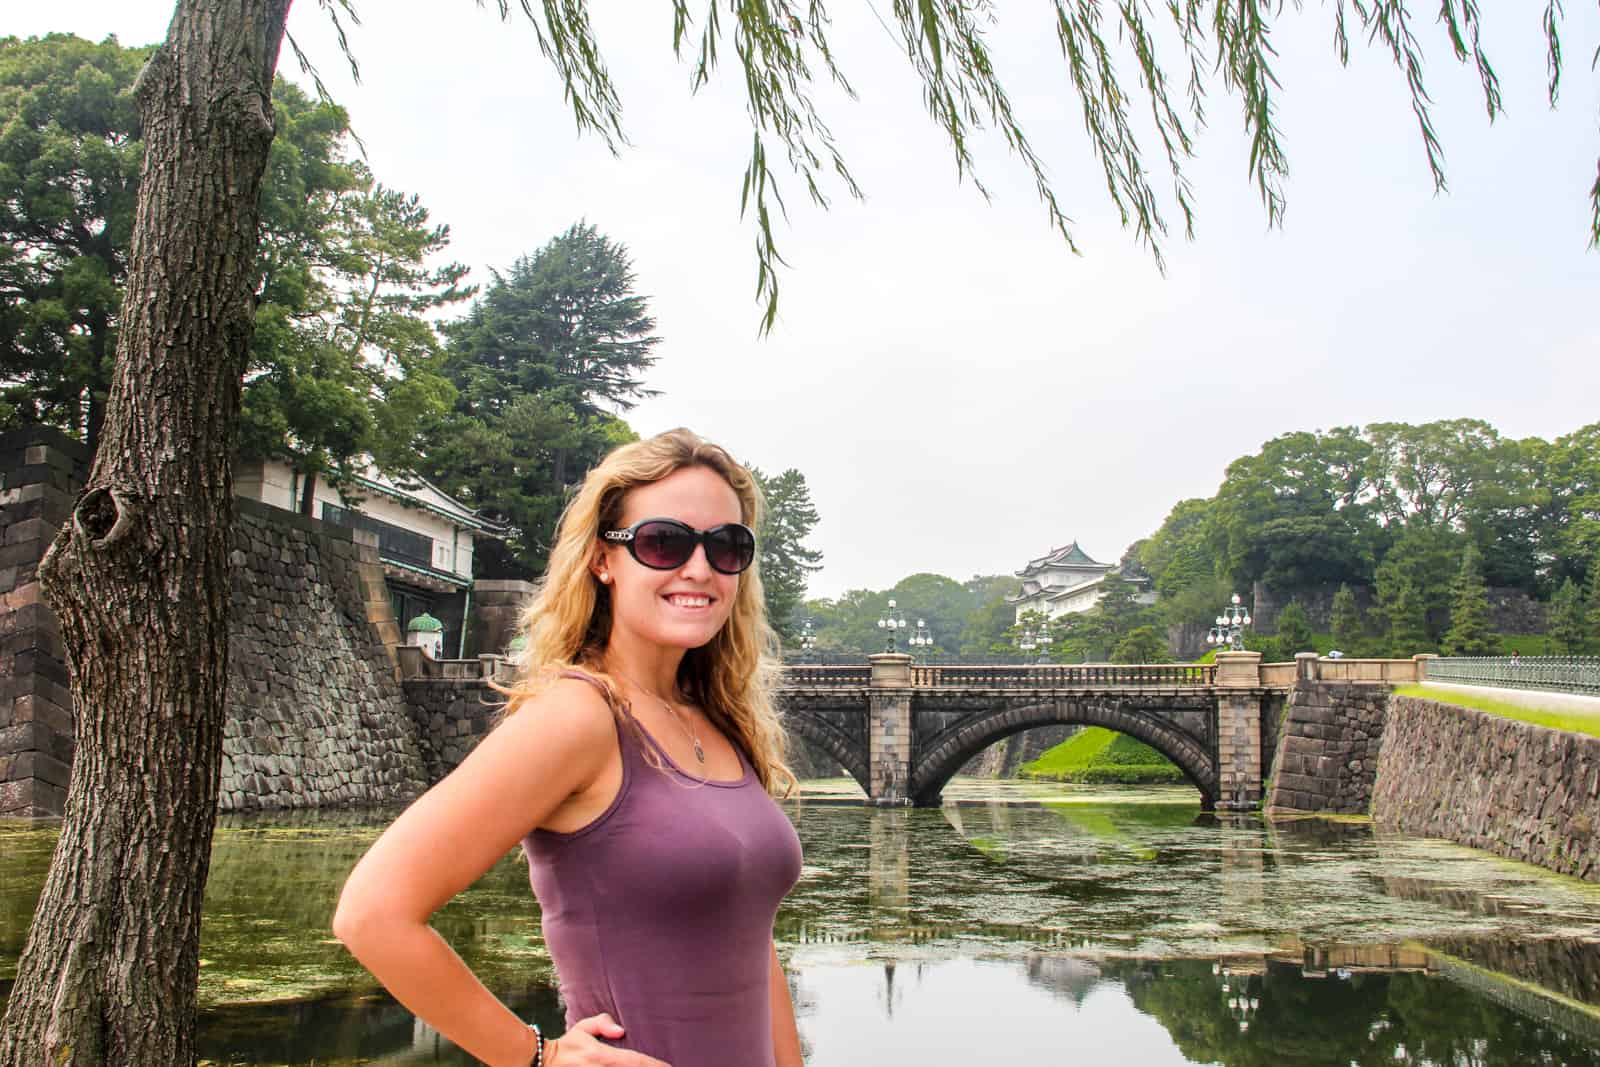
(425, 624)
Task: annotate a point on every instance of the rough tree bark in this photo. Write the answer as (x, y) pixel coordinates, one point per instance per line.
(139, 576)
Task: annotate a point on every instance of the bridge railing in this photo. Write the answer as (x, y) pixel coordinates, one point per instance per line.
(830, 674)
(1564, 674)
(1066, 676)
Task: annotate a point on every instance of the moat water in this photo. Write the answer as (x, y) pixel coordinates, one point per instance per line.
(1020, 924)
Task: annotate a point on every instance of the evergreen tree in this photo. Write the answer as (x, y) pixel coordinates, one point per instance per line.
(1470, 633)
(540, 361)
(1404, 613)
(1567, 626)
(1294, 631)
(1349, 631)
(1142, 644)
(1592, 602)
(786, 561)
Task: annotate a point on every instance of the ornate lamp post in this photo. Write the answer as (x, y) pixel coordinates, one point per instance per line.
(808, 640)
(892, 620)
(921, 637)
(1229, 629)
(1036, 640)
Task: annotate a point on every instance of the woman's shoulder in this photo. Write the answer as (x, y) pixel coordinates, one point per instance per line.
(573, 707)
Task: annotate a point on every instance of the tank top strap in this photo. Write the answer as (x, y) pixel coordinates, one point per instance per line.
(630, 735)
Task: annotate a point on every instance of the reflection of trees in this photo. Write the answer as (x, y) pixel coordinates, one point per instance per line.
(1365, 1019)
(269, 903)
(348, 1029)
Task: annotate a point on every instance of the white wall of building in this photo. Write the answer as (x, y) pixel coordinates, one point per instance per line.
(273, 482)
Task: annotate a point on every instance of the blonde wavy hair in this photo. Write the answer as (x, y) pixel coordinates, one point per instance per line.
(568, 623)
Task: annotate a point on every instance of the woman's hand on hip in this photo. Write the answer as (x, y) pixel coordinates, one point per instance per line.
(580, 1047)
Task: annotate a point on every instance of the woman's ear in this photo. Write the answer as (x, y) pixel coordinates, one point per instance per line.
(599, 567)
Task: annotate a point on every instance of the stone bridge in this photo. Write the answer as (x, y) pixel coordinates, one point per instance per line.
(903, 730)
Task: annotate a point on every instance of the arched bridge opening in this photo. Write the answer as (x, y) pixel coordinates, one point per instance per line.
(1177, 732)
(841, 737)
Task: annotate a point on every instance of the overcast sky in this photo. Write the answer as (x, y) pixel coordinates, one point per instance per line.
(961, 392)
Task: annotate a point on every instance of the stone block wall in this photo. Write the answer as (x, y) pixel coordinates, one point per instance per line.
(1327, 748)
(497, 607)
(40, 472)
(1521, 791)
(449, 716)
(315, 715)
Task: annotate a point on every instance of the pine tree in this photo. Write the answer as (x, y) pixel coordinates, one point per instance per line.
(1349, 631)
(1294, 631)
(1470, 633)
(1404, 613)
(1567, 628)
(1592, 603)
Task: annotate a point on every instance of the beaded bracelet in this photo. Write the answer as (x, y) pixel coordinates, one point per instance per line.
(538, 1046)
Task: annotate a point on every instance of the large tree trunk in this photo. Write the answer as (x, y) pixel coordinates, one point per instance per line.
(139, 575)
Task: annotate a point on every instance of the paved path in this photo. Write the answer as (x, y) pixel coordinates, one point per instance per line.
(1528, 698)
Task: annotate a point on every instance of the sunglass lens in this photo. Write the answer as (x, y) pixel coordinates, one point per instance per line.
(662, 545)
(730, 549)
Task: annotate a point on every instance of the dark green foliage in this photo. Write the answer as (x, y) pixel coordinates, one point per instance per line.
(1470, 633)
(344, 361)
(339, 361)
(1568, 628)
(972, 617)
(1142, 644)
(70, 152)
(1179, 555)
(1401, 606)
(1349, 629)
(786, 561)
(1294, 515)
(539, 362)
(1591, 603)
(1294, 632)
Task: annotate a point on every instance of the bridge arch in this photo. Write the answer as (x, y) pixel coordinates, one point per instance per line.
(832, 740)
(949, 751)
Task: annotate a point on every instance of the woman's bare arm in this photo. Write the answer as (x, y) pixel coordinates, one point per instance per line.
(524, 770)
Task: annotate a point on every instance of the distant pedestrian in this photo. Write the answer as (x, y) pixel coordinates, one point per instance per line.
(1516, 658)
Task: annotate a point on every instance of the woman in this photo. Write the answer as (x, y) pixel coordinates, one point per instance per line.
(634, 765)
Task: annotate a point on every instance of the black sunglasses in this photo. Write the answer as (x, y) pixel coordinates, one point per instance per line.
(667, 544)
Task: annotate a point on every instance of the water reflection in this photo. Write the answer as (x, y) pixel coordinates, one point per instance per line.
(1017, 924)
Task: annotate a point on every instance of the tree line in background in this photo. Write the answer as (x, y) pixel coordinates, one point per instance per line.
(352, 361)
(1413, 527)
(1406, 531)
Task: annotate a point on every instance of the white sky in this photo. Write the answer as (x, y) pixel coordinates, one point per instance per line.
(960, 391)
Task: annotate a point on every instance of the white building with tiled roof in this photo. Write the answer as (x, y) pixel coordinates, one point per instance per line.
(424, 536)
(1065, 581)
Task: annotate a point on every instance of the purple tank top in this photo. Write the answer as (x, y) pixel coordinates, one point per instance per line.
(659, 912)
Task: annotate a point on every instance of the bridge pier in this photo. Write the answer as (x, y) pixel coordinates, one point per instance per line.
(1238, 685)
(889, 730)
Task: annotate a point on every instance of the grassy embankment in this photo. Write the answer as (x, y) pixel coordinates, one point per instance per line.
(1575, 721)
(1098, 756)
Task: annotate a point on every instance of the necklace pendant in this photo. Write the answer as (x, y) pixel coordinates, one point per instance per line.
(699, 753)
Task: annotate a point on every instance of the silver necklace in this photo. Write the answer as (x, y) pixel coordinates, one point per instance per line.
(699, 750)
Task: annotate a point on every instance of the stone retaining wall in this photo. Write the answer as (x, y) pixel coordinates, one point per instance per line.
(40, 472)
(450, 715)
(1327, 748)
(316, 717)
(1525, 792)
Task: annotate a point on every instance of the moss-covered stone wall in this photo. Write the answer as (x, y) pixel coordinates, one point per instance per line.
(1525, 792)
